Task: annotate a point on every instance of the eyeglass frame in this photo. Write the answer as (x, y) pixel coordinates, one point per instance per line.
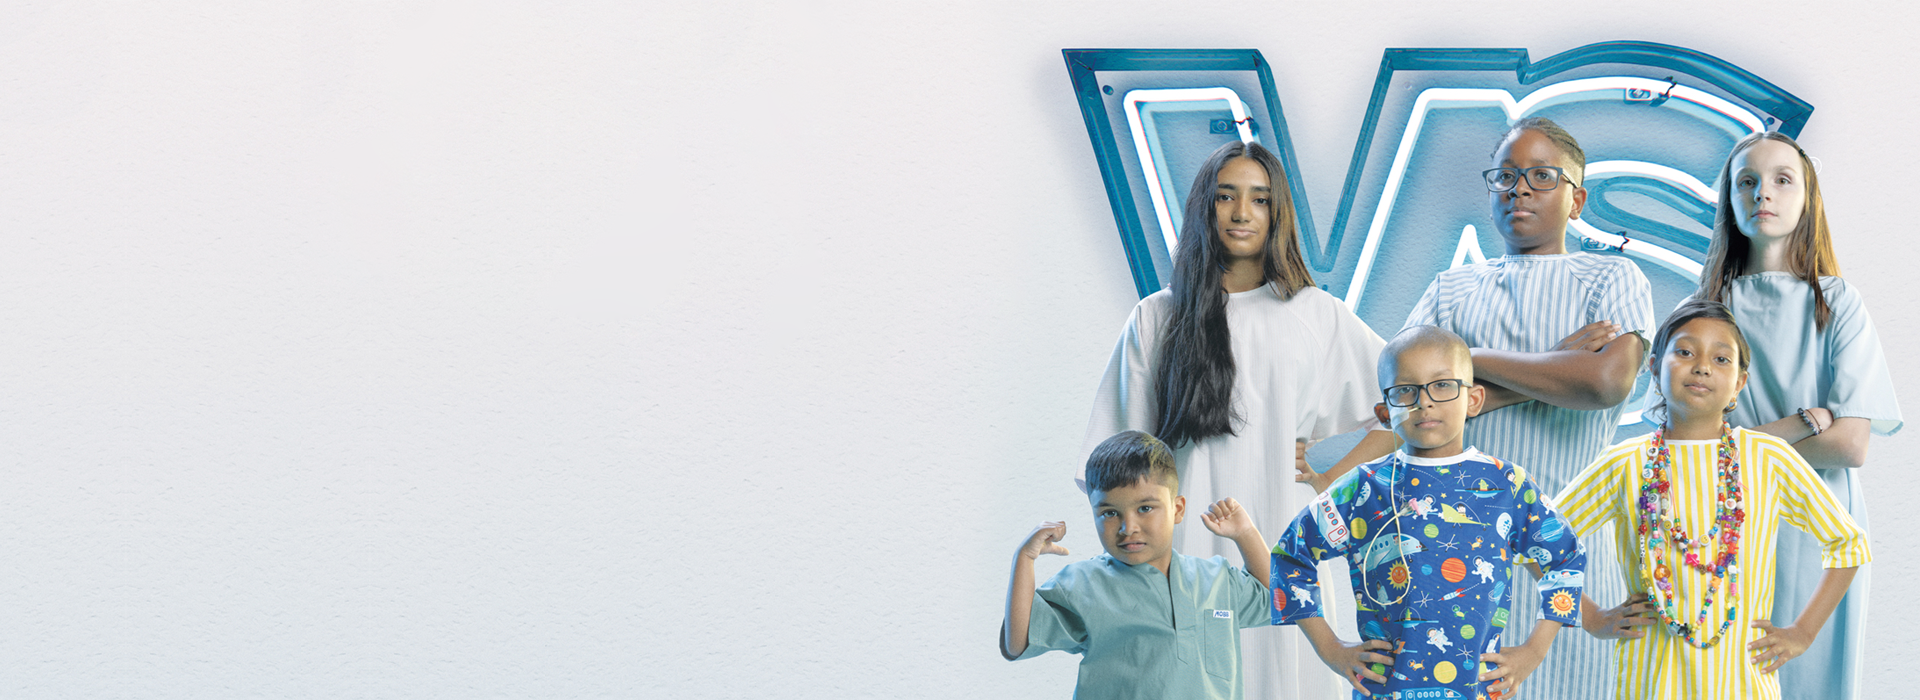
(1460, 389)
(1487, 177)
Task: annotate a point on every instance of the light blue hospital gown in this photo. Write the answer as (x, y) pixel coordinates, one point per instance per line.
(1528, 303)
(1842, 369)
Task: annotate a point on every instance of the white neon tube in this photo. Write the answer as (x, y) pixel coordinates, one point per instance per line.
(1674, 176)
(1610, 88)
(1468, 251)
(1148, 168)
(1647, 250)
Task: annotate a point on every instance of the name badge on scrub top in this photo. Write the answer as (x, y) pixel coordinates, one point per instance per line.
(1223, 614)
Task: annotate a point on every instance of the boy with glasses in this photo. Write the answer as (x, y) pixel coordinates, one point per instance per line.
(1430, 531)
(1557, 341)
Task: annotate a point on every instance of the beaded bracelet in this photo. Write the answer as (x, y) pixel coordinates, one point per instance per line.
(1807, 418)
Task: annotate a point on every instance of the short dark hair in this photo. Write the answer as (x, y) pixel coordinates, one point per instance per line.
(1691, 310)
(1420, 337)
(1558, 136)
(1129, 457)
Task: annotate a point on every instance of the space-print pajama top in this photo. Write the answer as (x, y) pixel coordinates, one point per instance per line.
(1432, 543)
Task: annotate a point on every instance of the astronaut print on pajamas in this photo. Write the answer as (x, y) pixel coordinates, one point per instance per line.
(1430, 542)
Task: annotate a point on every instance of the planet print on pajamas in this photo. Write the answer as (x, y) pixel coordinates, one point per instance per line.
(1431, 542)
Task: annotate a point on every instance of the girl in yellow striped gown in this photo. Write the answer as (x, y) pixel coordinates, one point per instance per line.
(1695, 509)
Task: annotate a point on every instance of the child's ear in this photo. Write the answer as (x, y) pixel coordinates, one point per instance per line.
(1380, 412)
(1476, 398)
(1579, 202)
(1179, 508)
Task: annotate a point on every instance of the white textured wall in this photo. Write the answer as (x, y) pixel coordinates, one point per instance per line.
(557, 349)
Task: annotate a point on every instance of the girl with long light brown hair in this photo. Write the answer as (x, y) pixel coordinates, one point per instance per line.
(1819, 379)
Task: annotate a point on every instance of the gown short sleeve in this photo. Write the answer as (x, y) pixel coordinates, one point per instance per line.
(1349, 378)
(1861, 386)
(1126, 398)
(1626, 299)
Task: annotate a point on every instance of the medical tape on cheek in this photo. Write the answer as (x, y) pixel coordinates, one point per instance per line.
(1397, 415)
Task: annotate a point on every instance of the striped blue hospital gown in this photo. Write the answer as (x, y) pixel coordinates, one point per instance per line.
(1528, 303)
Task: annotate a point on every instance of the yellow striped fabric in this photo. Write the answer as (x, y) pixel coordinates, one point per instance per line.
(1778, 486)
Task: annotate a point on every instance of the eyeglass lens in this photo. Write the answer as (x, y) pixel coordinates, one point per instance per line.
(1543, 177)
(1441, 391)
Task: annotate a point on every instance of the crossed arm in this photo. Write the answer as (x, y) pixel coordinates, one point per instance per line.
(1594, 368)
(1590, 370)
(1840, 444)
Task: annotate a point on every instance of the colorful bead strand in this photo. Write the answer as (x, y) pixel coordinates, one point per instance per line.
(1660, 530)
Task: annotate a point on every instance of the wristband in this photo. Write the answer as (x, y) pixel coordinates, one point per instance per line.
(1807, 418)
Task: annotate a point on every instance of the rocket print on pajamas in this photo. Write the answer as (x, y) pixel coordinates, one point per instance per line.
(1433, 587)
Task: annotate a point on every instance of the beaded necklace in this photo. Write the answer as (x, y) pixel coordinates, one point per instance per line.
(1660, 527)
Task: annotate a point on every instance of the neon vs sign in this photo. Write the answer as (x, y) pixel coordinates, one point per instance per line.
(1656, 122)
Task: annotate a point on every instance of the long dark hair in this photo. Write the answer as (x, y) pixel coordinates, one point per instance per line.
(1691, 310)
(1809, 247)
(1195, 374)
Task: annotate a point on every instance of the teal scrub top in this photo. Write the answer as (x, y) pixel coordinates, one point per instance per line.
(1144, 634)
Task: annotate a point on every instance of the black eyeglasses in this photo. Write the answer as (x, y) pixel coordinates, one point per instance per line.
(1441, 391)
(1540, 178)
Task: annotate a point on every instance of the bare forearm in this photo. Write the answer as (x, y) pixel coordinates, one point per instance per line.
(1842, 445)
(1589, 613)
(1375, 444)
(1542, 638)
(1790, 429)
(1833, 587)
(1254, 550)
(1575, 379)
(1498, 397)
(1013, 631)
(1319, 634)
